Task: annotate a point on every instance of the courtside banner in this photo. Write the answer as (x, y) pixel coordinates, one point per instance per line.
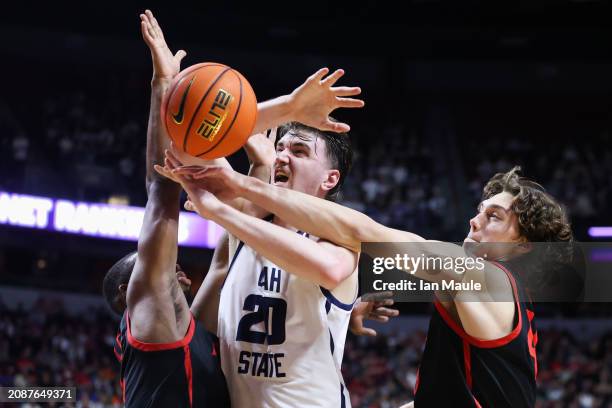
(474, 271)
(109, 221)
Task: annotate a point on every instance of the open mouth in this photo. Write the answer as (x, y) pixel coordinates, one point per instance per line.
(280, 177)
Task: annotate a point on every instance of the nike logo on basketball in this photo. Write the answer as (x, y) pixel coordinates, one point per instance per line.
(178, 117)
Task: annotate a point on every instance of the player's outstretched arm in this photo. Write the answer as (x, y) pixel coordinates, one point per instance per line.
(157, 309)
(345, 226)
(310, 104)
(322, 218)
(333, 222)
(320, 262)
(330, 221)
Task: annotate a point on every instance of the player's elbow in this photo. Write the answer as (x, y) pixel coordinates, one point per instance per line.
(332, 274)
(365, 230)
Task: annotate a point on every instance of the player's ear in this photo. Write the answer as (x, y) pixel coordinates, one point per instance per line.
(123, 288)
(333, 177)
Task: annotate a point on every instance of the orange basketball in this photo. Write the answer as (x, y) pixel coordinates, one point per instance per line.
(209, 110)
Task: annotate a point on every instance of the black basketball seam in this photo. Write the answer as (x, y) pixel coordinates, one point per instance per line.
(173, 90)
(195, 113)
(233, 120)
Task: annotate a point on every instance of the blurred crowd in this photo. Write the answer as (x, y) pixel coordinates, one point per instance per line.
(81, 144)
(393, 180)
(574, 171)
(47, 346)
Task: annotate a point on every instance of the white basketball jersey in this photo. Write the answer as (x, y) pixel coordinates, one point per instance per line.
(282, 337)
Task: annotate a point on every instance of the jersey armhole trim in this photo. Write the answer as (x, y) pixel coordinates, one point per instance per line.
(329, 296)
(117, 345)
(240, 245)
(143, 346)
(502, 341)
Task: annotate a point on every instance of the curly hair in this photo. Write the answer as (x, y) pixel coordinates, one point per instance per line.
(543, 221)
(540, 217)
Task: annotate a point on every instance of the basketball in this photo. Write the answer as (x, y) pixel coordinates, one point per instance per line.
(209, 110)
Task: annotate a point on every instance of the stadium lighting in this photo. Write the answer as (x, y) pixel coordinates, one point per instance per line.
(600, 232)
(110, 221)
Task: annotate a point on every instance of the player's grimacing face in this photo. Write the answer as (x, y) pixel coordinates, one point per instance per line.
(494, 223)
(301, 164)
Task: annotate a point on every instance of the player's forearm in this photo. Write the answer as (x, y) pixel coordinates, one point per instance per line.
(290, 251)
(158, 235)
(261, 155)
(324, 219)
(157, 140)
(273, 113)
(205, 306)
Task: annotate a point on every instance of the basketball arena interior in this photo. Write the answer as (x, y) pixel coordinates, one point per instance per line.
(455, 92)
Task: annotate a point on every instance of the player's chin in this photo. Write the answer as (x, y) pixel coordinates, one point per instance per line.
(470, 246)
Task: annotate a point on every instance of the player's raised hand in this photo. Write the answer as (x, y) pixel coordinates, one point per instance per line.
(200, 199)
(371, 307)
(260, 148)
(165, 64)
(314, 100)
(183, 280)
(223, 182)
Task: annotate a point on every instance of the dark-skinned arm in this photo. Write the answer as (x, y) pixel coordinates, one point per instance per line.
(158, 311)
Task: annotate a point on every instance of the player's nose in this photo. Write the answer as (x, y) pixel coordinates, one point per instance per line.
(281, 158)
(475, 223)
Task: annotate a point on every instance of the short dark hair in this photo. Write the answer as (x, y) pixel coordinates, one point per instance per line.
(118, 274)
(338, 146)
